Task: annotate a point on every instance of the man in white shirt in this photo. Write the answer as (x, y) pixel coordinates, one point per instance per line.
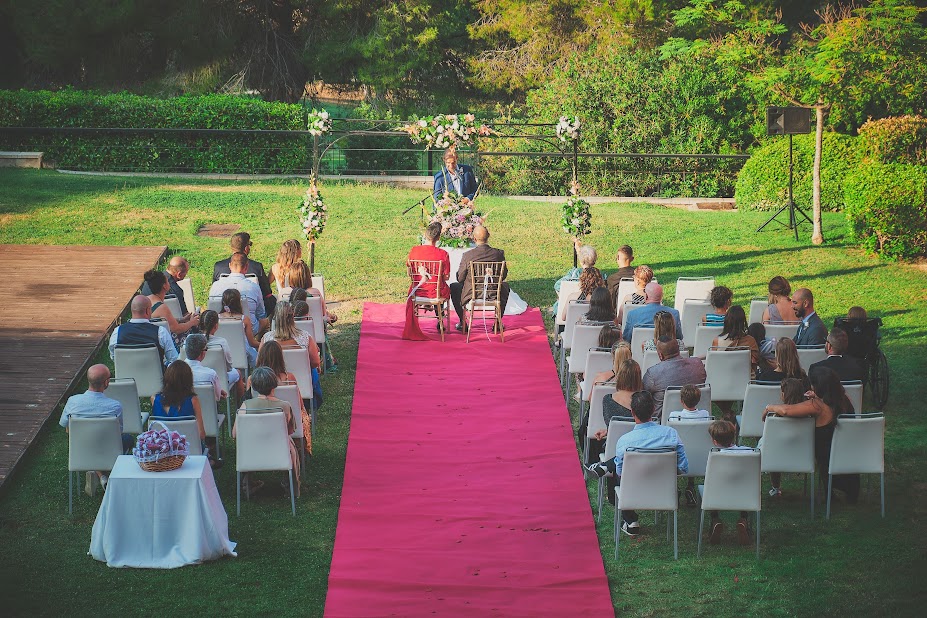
(250, 291)
(196, 352)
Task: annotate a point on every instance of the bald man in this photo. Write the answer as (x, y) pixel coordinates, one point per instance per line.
(462, 291)
(812, 330)
(643, 316)
(140, 331)
(177, 270)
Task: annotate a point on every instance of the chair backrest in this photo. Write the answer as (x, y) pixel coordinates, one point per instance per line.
(318, 318)
(297, 363)
(94, 443)
(690, 317)
(810, 354)
(640, 334)
(672, 400)
(575, 310)
(617, 427)
(185, 426)
(141, 363)
(858, 445)
(233, 331)
(627, 308)
(625, 287)
(705, 334)
(651, 358)
(189, 298)
(428, 288)
(214, 303)
(786, 330)
(648, 480)
(863, 335)
(174, 305)
(697, 288)
(597, 361)
(854, 390)
(788, 444)
(596, 415)
(318, 282)
(757, 397)
(569, 290)
(486, 281)
(215, 360)
(728, 372)
(125, 392)
(290, 394)
(697, 443)
(732, 481)
(757, 307)
(261, 442)
(585, 337)
(209, 408)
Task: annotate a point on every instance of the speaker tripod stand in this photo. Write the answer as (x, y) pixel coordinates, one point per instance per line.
(791, 206)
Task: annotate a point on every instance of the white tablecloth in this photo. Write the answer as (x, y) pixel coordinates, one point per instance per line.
(160, 520)
(514, 306)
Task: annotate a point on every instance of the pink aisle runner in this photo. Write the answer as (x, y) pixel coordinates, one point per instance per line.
(463, 493)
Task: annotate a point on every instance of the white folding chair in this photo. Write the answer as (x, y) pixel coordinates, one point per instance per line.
(262, 444)
(212, 420)
(757, 307)
(125, 392)
(318, 326)
(318, 282)
(297, 363)
(627, 308)
(696, 288)
(810, 354)
(732, 483)
(788, 446)
(648, 482)
(185, 426)
(214, 303)
(757, 397)
(143, 363)
(585, 337)
(174, 305)
(651, 358)
(290, 393)
(785, 330)
(93, 445)
(617, 427)
(728, 372)
(697, 443)
(233, 331)
(597, 361)
(672, 400)
(640, 334)
(189, 299)
(575, 310)
(625, 287)
(596, 419)
(705, 335)
(854, 391)
(215, 360)
(569, 290)
(693, 311)
(858, 447)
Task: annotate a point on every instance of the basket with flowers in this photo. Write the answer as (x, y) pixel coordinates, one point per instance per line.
(160, 450)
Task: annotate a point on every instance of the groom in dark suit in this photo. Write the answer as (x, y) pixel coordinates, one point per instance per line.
(453, 178)
(811, 331)
(462, 290)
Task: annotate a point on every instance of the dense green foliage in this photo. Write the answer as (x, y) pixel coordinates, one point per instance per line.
(887, 208)
(763, 182)
(895, 140)
(152, 152)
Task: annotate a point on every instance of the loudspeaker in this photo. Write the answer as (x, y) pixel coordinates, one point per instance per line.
(788, 120)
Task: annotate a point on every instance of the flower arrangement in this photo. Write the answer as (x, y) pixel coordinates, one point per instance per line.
(445, 130)
(576, 218)
(319, 122)
(457, 219)
(568, 128)
(157, 444)
(312, 212)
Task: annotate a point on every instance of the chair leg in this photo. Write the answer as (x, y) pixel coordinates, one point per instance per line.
(830, 482)
(71, 493)
(882, 492)
(812, 494)
(562, 361)
(617, 529)
(582, 402)
(439, 310)
(668, 526)
(701, 527)
(238, 500)
(292, 494)
(601, 482)
(312, 417)
(757, 535)
(302, 455)
(675, 534)
(501, 328)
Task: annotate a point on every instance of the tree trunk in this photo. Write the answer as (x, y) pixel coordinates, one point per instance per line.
(817, 237)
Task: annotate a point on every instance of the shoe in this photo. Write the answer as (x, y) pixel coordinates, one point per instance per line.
(103, 481)
(717, 529)
(690, 497)
(597, 470)
(743, 532)
(631, 529)
(460, 328)
(775, 492)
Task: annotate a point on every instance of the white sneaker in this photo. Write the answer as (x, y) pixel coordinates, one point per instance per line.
(775, 492)
(631, 529)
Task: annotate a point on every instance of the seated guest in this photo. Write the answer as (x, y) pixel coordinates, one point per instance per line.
(811, 331)
(209, 322)
(780, 304)
(430, 252)
(767, 345)
(643, 275)
(303, 294)
(93, 403)
(300, 309)
(231, 309)
(453, 178)
(195, 346)
(250, 292)
(462, 290)
(241, 243)
(720, 299)
(836, 346)
(643, 316)
(176, 271)
(157, 282)
(625, 271)
(672, 370)
(857, 313)
(600, 309)
(621, 352)
(272, 356)
(723, 434)
(690, 395)
(786, 365)
(140, 331)
(734, 335)
(290, 271)
(792, 391)
(286, 333)
(586, 256)
(263, 381)
(177, 399)
(646, 434)
(615, 405)
(663, 326)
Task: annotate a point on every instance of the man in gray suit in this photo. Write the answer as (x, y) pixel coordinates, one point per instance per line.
(811, 331)
(462, 290)
(672, 370)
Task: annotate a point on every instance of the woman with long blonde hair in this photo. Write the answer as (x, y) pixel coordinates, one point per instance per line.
(290, 271)
(663, 326)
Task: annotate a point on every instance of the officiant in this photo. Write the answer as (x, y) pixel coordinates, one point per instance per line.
(453, 178)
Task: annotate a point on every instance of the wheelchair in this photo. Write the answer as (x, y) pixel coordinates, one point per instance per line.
(864, 338)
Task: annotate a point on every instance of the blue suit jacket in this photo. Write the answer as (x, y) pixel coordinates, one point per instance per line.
(444, 183)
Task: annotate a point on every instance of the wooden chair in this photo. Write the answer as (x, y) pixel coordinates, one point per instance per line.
(423, 300)
(486, 283)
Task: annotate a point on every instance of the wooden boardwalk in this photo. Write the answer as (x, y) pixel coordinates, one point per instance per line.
(56, 306)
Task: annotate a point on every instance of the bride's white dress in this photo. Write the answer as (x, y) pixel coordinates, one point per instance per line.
(515, 304)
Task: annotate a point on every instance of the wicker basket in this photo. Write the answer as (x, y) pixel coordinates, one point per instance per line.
(164, 462)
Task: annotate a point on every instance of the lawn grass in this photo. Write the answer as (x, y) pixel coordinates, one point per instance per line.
(854, 564)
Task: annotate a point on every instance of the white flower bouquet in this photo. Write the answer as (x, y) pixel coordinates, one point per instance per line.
(319, 122)
(568, 128)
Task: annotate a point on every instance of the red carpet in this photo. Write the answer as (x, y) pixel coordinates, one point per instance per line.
(463, 493)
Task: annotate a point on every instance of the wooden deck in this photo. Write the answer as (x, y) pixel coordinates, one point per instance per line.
(56, 306)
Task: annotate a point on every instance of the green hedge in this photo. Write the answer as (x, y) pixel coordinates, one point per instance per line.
(902, 139)
(886, 207)
(153, 152)
(763, 182)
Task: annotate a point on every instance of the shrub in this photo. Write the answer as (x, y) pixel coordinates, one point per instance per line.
(886, 207)
(763, 182)
(362, 153)
(249, 153)
(902, 139)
